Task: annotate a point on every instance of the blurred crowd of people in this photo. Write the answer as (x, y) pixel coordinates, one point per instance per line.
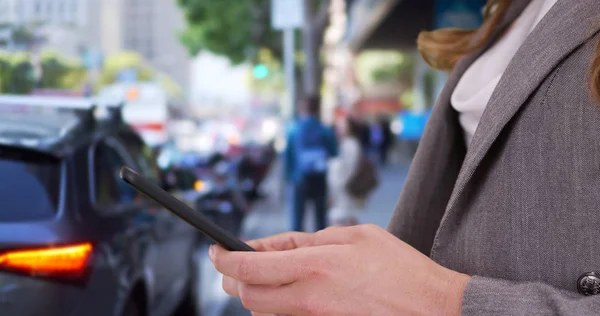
(334, 168)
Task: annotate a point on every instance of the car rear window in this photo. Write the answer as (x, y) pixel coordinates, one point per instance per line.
(29, 185)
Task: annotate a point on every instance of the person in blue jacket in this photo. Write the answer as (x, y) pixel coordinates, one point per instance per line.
(310, 145)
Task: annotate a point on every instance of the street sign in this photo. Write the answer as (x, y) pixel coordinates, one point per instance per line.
(127, 75)
(287, 14)
(92, 59)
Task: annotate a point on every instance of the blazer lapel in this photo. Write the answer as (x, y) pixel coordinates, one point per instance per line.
(565, 27)
(436, 165)
(463, 64)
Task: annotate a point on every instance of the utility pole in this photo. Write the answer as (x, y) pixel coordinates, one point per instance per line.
(315, 22)
(311, 51)
(290, 68)
(287, 16)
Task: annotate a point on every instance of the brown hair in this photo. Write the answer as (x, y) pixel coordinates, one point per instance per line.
(354, 128)
(311, 105)
(442, 48)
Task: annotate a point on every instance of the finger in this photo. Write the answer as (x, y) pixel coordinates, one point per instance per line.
(294, 240)
(281, 242)
(290, 299)
(230, 286)
(263, 314)
(272, 267)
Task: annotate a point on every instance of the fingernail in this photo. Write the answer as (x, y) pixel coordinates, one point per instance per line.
(211, 252)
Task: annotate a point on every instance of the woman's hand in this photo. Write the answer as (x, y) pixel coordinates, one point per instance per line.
(359, 270)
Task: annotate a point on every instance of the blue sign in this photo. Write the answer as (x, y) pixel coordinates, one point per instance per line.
(92, 59)
(465, 14)
(413, 124)
(127, 75)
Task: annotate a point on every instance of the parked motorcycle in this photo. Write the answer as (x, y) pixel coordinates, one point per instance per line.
(252, 168)
(223, 201)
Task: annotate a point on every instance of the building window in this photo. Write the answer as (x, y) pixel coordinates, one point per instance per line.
(149, 50)
(61, 11)
(133, 44)
(19, 10)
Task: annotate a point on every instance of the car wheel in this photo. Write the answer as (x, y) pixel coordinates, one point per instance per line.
(187, 307)
(132, 308)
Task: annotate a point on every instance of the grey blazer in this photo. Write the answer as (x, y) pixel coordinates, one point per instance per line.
(520, 210)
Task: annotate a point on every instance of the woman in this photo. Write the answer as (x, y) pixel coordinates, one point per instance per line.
(499, 214)
(346, 208)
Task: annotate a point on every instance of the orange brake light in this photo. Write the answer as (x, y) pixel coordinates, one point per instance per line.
(64, 260)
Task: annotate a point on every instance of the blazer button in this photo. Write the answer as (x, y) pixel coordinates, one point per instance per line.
(589, 284)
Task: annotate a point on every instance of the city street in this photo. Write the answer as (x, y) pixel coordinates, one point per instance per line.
(270, 217)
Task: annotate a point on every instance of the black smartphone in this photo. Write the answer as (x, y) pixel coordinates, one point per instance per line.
(194, 218)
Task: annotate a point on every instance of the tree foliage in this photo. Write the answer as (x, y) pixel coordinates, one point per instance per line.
(386, 66)
(235, 29)
(115, 63)
(59, 72)
(16, 73)
(63, 73)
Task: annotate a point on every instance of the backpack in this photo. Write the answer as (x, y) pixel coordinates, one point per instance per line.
(311, 152)
(364, 179)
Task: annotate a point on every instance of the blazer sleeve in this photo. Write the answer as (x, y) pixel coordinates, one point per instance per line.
(488, 296)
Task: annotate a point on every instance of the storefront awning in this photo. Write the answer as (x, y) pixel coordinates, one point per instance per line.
(387, 24)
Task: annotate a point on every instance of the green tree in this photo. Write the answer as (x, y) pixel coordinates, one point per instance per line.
(273, 83)
(114, 64)
(241, 30)
(75, 76)
(21, 74)
(59, 72)
(168, 84)
(231, 28)
(5, 72)
(386, 66)
(54, 69)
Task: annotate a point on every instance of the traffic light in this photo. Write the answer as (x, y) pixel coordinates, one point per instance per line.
(260, 71)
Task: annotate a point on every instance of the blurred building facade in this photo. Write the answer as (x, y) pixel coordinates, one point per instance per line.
(151, 28)
(218, 85)
(395, 24)
(68, 26)
(73, 27)
(73, 12)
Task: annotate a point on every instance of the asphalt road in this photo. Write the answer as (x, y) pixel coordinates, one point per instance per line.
(270, 217)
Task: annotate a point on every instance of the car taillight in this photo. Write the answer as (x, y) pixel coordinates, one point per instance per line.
(62, 261)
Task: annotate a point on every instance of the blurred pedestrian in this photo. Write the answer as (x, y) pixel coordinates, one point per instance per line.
(345, 208)
(376, 140)
(365, 135)
(310, 146)
(387, 140)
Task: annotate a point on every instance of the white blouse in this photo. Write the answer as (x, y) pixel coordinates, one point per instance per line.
(475, 87)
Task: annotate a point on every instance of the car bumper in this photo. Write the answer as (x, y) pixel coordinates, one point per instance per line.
(27, 296)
